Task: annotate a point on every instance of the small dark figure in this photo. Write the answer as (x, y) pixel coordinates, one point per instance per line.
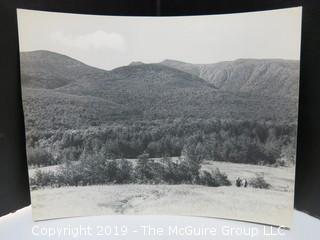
(238, 182)
(245, 183)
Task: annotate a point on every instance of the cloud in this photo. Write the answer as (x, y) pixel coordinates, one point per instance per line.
(96, 40)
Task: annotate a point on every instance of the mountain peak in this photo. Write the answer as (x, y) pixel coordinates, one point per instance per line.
(43, 54)
(172, 61)
(46, 69)
(136, 63)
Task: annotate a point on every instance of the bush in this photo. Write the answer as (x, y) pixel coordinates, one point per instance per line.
(40, 157)
(70, 154)
(42, 178)
(259, 182)
(181, 171)
(214, 178)
(143, 169)
(280, 163)
(149, 171)
(119, 171)
(70, 175)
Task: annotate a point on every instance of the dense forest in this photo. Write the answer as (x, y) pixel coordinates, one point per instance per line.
(204, 139)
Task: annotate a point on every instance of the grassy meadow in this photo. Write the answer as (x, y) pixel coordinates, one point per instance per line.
(272, 205)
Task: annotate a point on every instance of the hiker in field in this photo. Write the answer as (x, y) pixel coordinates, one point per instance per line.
(238, 182)
(245, 182)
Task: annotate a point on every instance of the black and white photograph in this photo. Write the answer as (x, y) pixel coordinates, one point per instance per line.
(188, 115)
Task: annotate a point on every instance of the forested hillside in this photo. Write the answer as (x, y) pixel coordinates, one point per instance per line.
(242, 111)
(272, 77)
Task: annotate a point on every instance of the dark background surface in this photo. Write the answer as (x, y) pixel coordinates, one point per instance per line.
(14, 188)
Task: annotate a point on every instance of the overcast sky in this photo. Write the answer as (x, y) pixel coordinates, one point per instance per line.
(110, 41)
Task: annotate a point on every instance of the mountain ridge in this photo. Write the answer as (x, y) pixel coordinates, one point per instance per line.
(273, 77)
(154, 91)
(262, 76)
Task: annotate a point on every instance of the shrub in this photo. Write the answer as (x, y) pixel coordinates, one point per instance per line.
(280, 163)
(95, 168)
(214, 178)
(170, 171)
(181, 171)
(70, 175)
(42, 178)
(124, 171)
(143, 169)
(69, 154)
(110, 172)
(259, 182)
(117, 171)
(40, 157)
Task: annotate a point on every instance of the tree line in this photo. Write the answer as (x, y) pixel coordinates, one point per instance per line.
(92, 169)
(251, 142)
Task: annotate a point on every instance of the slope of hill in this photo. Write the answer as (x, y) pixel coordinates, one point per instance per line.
(50, 110)
(183, 66)
(271, 77)
(139, 84)
(45, 69)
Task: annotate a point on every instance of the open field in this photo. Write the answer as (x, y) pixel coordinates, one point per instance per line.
(280, 178)
(272, 206)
